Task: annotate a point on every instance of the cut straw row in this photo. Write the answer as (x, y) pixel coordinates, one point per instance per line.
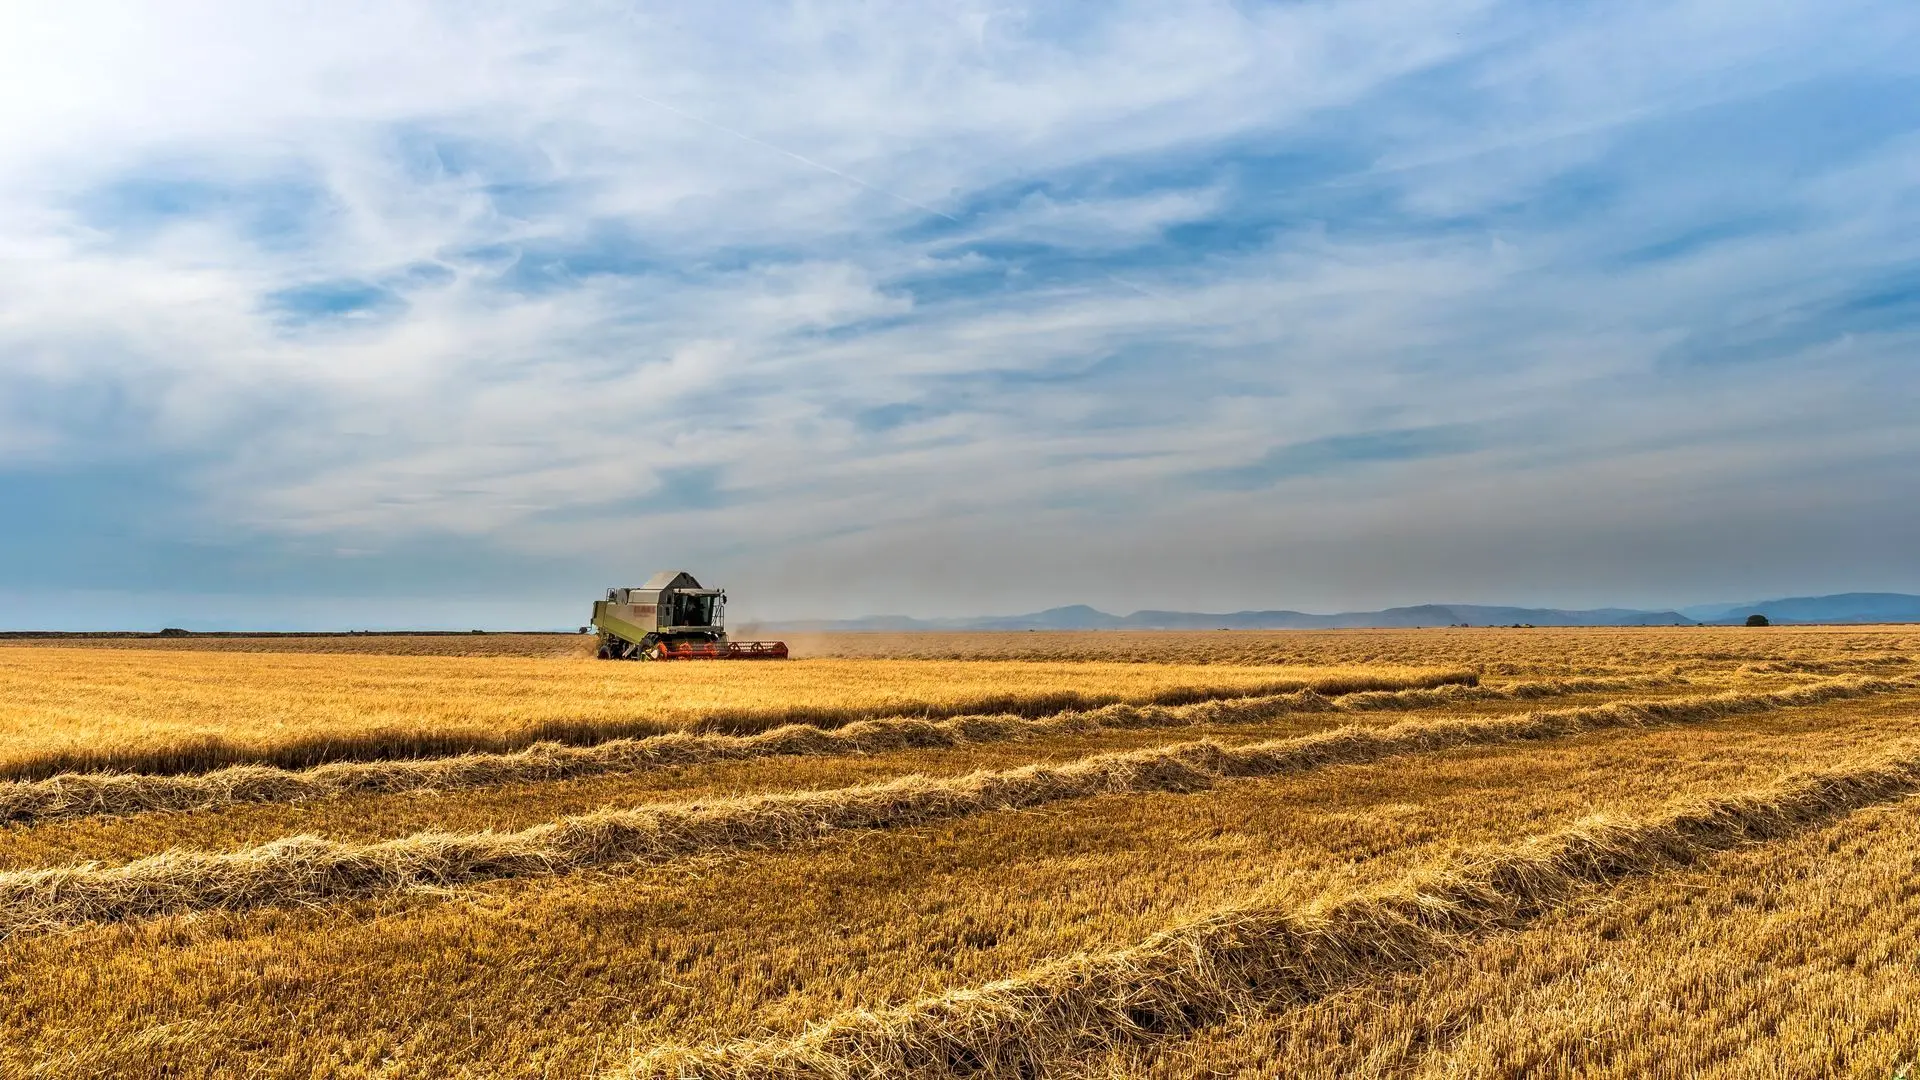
(74, 795)
(1255, 957)
(193, 754)
(306, 869)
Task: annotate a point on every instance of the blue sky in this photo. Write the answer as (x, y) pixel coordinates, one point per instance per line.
(434, 314)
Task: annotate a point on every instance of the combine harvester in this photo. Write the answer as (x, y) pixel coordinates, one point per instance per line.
(672, 618)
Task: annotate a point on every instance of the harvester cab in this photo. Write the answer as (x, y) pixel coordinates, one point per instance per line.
(672, 618)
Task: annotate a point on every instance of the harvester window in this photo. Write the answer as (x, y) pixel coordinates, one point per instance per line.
(692, 611)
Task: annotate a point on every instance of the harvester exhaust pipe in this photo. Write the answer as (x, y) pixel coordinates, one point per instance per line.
(672, 618)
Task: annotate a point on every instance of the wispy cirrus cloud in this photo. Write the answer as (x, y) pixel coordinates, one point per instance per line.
(961, 307)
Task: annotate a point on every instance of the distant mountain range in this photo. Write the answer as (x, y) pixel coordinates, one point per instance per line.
(1839, 608)
(1853, 607)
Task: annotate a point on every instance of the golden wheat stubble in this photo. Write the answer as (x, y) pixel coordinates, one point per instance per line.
(1258, 953)
(368, 815)
(1795, 958)
(447, 856)
(541, 646)
(63, 709)
(1494, 650)
(763, 943)
(218, 1021)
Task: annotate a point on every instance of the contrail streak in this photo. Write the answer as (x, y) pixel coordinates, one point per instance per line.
(744, 137)
(1141, 289)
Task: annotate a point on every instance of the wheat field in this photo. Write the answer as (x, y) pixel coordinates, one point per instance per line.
(1423, 853)
(64, 708)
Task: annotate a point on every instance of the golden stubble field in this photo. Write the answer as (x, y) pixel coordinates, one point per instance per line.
(1685, 852)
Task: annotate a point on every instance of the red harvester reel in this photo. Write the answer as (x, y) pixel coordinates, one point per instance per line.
(721, 650)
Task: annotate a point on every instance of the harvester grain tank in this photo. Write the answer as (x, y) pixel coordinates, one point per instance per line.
(672, 618)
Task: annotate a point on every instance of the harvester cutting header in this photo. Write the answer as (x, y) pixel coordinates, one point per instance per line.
(672, 618)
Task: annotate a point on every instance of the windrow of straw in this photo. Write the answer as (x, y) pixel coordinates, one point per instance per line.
(1255, 957)
(295, 744)
(307, 869)
(87, 794)
(1830, 666)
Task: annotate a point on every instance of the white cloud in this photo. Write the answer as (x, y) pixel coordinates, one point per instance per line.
(586, 250)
